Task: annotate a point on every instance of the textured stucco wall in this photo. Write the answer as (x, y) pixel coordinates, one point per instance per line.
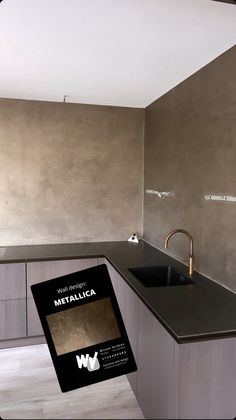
(69, 172)
(190, 148)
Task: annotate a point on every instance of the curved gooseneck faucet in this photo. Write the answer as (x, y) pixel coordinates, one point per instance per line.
(190, 246)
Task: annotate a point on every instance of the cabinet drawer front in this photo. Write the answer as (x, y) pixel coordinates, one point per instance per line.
(12, 319)
(34, 324)
(129, 306)
(46, 270)
(116, 280)
(12, 281)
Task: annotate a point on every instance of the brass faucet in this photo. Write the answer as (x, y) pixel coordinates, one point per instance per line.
(190, 271)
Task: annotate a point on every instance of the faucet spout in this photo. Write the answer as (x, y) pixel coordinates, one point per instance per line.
(191, 256)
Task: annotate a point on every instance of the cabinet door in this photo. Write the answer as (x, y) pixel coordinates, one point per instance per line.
(12, 301)
(46, 270)
(129, 306)
(12, 281)
(12, 319)
(157, 368)
(115, 279)
(207, 382)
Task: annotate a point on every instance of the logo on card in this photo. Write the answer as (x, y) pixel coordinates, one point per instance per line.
(91, 363)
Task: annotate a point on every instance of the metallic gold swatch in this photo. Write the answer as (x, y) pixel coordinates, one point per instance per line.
(83, 326)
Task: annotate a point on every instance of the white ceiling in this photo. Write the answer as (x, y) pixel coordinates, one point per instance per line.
(109, 52)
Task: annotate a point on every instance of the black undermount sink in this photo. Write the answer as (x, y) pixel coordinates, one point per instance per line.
(160, 276)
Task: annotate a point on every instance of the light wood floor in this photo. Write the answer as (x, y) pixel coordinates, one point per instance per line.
(29, 389)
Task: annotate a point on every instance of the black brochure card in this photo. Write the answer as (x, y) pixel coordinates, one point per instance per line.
(83, 327)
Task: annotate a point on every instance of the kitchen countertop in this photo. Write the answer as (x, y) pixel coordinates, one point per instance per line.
(200, 311)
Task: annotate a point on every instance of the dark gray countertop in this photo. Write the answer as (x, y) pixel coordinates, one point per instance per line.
(200, 311)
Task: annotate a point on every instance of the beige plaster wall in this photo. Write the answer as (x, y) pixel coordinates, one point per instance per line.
(69, 172)
(190, 148)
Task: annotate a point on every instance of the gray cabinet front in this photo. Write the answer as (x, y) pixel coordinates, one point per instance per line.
(155, 352)
(12, 281)
(157, 368)
(12, 301)
(129, 306)
(12, 319)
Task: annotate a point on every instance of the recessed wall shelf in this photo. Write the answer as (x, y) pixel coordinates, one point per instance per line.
(160, 194)
(220, 197)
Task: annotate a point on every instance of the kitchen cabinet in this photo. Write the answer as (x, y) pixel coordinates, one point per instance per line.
(157, 368)
(115, 279)
(46, 270)
(177, 381)
(12, 319)
(129, 306)
(130, 312)
(12, 281)
(188, 380)
(206, 379)
(155, 352)
(12, 301)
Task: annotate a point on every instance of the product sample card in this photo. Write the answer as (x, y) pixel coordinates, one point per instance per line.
(83, 327)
